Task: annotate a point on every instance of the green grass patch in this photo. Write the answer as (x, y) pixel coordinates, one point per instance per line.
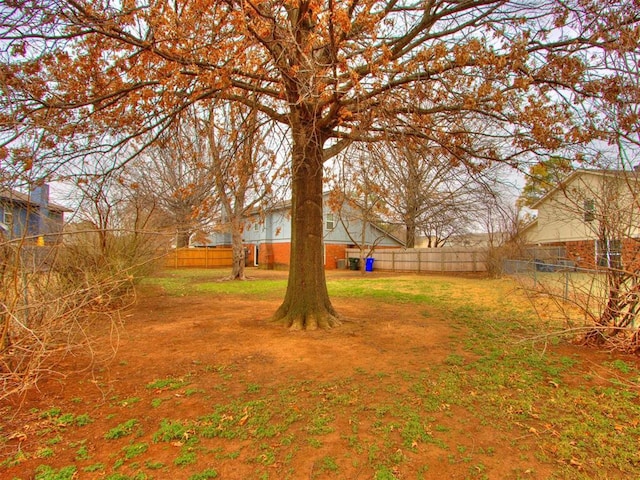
(328, 464)
(204, 475)
(208, 281)
(62, 420)
(153, 465)
(621, 366)
(82, 453)
(45, 472)
(96, 467)
(128, 402)
(134, 450)
(170, 430)
(45, 452)
(168, 384)
(122, 430)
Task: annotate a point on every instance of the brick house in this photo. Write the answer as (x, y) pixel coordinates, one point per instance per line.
(267, 236)
(594, 215)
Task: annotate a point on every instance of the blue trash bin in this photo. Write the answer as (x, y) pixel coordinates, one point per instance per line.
(369, 264)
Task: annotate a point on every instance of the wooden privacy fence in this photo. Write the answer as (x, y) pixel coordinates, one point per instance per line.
(199, 258)
(447, 259)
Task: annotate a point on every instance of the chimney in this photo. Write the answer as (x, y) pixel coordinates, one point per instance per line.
(40, 195)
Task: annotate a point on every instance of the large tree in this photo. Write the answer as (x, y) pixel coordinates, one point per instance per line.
(83, 75)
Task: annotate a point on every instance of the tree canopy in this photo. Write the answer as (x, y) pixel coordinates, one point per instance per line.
(481, 80)
(543, 177)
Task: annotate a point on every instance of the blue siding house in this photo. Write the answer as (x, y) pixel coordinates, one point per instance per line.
(31, 216)
(267, 235)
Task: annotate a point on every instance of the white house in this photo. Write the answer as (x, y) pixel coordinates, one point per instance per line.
(594, 215)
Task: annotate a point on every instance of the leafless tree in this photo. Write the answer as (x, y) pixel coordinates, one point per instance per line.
(358, 201)
(243, 161)
(174, 174)
(429, 194)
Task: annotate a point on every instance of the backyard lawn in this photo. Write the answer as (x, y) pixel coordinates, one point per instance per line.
(429, 377)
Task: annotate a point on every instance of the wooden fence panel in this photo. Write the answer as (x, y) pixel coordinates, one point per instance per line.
(447, 259)
(199, 258)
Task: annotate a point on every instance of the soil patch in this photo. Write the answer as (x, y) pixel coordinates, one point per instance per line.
(179, 359)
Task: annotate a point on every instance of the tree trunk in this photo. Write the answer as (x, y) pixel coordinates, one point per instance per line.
(237, 250)
(410, 224)
(182, 238)
(306, 304)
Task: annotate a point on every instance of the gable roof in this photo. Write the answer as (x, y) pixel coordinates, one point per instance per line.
(14, 196)
(602, 172)
(529, 224)
(285, 206)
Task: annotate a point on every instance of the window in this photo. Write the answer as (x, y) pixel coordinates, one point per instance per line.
(7, 220)
(609, 253)
(589, 210)
(329, 221)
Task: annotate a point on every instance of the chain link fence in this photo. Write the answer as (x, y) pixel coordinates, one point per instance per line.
(560, 278)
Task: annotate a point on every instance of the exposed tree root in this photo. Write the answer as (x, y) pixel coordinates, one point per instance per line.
(313, 320)
(622, 340)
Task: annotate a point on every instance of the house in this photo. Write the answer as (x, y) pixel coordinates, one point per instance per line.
(31, 216)
(267, 235)
(594, 216)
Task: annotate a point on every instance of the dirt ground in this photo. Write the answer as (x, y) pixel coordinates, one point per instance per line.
(223, 346)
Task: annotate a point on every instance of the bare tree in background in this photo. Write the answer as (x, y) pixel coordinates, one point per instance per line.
(243, 162)
(498, 216)
(174, 174)
(358, 201)
(429, 194)
(123, 226)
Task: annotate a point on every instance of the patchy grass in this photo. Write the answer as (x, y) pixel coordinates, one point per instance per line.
(497, 405)
(122, 430)
(168, 384)
(209, 281)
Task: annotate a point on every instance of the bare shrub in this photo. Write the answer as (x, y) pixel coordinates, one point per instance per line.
(52, 297)
(497, 254)
(598, 209)
(598, 307)
(617, 324)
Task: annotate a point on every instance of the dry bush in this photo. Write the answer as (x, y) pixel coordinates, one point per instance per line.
(49, 299)
(598, 307)
(496, 255)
